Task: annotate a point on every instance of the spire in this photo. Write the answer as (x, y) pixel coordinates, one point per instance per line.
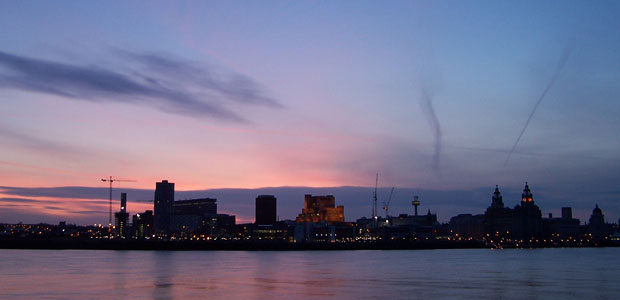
(497, 198)
(527, 196)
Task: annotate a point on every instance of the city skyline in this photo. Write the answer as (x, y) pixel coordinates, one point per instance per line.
(241, 202)
(321, 222)
(443, 100)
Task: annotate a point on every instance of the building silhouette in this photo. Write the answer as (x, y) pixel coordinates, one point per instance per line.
(188, 218)
(265, 210)
(121, 218)
(522, 223)
(164, 207)
(218, 226)
(527, 218)
(322, 221)
(201, 206)
(497, 218)
(567, 213)
(563, 228)
(596, 225)
(142, 225)
(189, 215)
(467, 226)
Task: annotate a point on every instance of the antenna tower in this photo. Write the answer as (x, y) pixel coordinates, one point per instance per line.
(374, 198)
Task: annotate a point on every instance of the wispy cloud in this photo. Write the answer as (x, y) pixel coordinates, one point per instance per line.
(31, 142)
(76, 192)
(558, 69)
(168, 84)
(18, 200)
(429, 112)
(231, 85)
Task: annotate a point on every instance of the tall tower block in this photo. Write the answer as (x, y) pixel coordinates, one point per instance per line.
(265, 210)
(163, 207)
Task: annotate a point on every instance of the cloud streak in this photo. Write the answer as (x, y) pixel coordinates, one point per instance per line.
(234, 86)
(558, 69)
(160, 82)
(429, 112)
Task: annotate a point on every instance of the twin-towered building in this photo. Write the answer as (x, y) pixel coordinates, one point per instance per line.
(523, 222)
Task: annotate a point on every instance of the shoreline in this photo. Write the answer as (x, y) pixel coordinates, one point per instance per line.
(270, 245)
(254, 245)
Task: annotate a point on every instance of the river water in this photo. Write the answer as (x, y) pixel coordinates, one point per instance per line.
(586, 273)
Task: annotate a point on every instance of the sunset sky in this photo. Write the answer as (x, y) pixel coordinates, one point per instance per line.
(234, 96)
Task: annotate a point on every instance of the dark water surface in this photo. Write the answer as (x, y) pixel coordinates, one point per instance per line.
(592, 273)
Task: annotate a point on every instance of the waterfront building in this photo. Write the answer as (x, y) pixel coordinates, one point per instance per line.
(497, 218)
(219, 226)
(164, 207)
(403, 226)
(199, 206)
(199, 218)
(564, 228)
(189, 216)
(523, 223)
(596, 225)
(121, 218)
(320, 208)
(467, 226)
(527, 218)
(265, 210)
(142, 225)
(323, 232)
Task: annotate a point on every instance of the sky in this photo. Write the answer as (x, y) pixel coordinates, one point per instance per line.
(233, 99)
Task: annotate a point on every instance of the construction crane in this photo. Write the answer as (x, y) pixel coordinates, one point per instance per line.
(374, 199)
(386, 205)
(111, 180)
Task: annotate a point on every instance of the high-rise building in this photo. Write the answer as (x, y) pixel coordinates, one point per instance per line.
(164, 207)
(143, 225)
(220, 225)
(320, 208)
(200, 206)
(188, 215)
(265, 210)
(121, 218)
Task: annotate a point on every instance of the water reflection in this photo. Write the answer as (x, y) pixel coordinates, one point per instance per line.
(437, 274)
(163, 271)
(119, 274)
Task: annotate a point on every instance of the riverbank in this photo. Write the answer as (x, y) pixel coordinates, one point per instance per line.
(253, 245)
(258, 245)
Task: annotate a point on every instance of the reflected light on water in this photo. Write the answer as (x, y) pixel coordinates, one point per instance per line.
(437, 274)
